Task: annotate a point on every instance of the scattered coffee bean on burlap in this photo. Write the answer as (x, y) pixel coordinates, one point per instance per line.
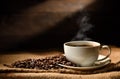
(50, 62)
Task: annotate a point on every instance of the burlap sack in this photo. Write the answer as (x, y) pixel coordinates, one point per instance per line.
(110, 71)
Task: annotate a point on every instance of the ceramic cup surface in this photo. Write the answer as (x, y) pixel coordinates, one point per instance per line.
(84, 53)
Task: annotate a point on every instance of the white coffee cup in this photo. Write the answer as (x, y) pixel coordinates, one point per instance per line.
(84, 53)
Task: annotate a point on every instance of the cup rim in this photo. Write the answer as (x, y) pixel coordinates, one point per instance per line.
(96, 44)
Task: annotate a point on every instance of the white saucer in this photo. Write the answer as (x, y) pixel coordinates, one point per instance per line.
(96, 65)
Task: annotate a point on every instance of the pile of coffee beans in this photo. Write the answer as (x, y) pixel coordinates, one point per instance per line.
(46, 63)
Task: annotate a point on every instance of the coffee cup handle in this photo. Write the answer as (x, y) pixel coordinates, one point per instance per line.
(109, 52)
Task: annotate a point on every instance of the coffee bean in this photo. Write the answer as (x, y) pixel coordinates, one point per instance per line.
(46, 63)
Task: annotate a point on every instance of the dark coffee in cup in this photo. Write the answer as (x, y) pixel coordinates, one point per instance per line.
(75, 45)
